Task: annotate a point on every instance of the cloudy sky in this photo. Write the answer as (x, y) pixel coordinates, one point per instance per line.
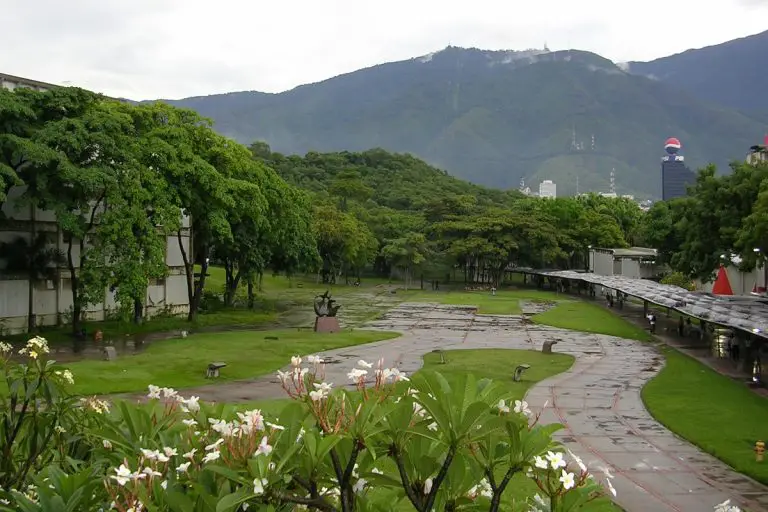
(143, 49)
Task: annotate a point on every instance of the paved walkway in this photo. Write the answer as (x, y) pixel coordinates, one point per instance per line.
(598, 400)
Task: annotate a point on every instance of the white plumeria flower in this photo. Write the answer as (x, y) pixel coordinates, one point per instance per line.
(502, 406)
(540, 462)
(412, 392)
(377, 471)
(264, 447)
(107, 444)
(316, 396)
(419, 410)
(151, 472)
(567, 480)
(296, 361)
(356, 374)
(556, 460)
(154, 392)
(190, 454)
(214, 446)
(170, 452)
(212, 456)
(427, 486)
(325, 387)
(726, 507)
(283, 376)
(164, 484)
(191, 404)
(150, 454)
(359, 486)
(258, 486)
(274, 426)
(521, 407)
(5, 347)
(189, 422)
(123, 475)
(364, 364)
(432, 426)
(183, 467)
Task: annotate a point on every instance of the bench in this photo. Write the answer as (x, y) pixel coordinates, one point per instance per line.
(519, 371)
(213, 370)
(547, 347)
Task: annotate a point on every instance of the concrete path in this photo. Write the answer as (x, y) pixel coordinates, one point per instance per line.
(598, 400)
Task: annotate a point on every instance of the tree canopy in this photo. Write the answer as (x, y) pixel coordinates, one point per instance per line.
(720, 218)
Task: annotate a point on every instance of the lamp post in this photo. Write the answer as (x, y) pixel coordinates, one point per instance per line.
(758, 255)
(589, 253)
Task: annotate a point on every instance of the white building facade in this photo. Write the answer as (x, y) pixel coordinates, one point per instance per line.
(548, 188)
(52, 299)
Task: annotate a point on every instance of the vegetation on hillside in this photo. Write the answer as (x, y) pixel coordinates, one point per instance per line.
(402, 215)
(496, 117)
(723, 73)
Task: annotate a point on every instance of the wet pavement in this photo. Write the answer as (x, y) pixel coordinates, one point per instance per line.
(598, 401)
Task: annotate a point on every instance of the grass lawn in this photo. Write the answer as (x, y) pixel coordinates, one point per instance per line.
(496, 364)
(587, 317)
(713, 411)
(181, 363)
(505, 302)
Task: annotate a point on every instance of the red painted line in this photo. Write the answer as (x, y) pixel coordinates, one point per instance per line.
(597, 454)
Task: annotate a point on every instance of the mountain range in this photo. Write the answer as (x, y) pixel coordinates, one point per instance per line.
(496, 117)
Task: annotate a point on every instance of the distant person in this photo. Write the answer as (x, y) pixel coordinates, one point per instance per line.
(652, 321)
(681, 327)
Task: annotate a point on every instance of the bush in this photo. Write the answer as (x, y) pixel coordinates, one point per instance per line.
(679, 279)
(438, 445)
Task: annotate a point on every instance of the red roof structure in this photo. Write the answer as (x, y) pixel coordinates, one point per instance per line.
(722, 285)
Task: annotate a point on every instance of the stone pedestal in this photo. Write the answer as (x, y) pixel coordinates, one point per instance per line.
(327, 324)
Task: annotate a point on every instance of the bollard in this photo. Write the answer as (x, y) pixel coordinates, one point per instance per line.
(759, 451)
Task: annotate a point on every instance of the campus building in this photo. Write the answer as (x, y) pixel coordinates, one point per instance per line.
(53, 298)
(634, 262)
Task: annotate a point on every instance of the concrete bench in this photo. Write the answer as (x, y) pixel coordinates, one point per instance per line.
(213, 370)
(519, 371)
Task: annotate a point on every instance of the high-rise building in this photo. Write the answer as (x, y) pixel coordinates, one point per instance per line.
(676, 177)
(547, 188)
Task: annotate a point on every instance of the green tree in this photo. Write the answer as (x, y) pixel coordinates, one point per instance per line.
(406, 253)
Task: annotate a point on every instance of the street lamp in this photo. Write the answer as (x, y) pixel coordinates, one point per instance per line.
(589, 251)
(758, 252)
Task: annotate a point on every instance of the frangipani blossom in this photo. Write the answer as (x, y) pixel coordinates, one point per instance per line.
(567, 480)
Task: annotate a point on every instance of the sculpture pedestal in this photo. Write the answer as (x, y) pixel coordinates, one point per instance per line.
(327, 324)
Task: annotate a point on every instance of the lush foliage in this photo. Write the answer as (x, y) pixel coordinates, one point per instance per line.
(723, 217)
(409, 219)
(123, 181)
(425, 441)
(493, 118)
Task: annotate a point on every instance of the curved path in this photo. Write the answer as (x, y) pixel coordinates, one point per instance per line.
(598, 401)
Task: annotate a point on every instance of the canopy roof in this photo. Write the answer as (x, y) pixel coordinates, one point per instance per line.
(744, 313)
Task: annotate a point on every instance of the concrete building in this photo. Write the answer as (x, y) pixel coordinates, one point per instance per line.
(634, 263)
(759, 153)
(53, 298)
(742, 283)
(547, 188)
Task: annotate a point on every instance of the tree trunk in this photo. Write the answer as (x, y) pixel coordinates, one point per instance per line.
(138, 311)
(189, 271)
(261, 283)
(194, 306)
(77, 309)
(33, 272)
(250, 291)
